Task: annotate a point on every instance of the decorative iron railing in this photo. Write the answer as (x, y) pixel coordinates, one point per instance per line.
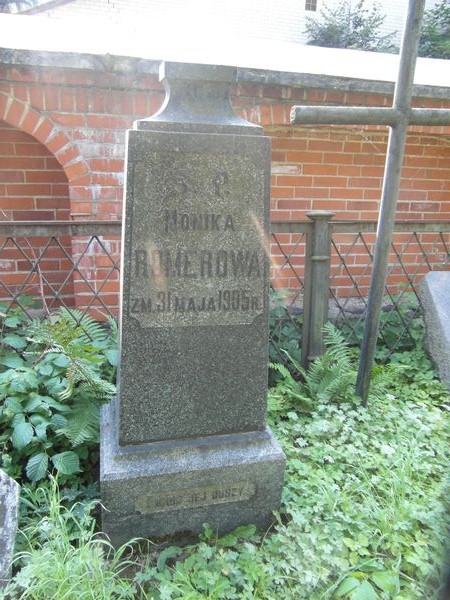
(318, 268)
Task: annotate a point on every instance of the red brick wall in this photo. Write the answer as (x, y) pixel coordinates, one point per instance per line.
(33, 187)
(342, 171)
(81, 118)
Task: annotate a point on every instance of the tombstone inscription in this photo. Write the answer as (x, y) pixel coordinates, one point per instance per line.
(185, 441)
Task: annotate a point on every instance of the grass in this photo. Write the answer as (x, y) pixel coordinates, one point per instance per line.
(64, 559)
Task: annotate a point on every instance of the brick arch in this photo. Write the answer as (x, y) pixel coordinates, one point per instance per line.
(28, 119)
(34, 187)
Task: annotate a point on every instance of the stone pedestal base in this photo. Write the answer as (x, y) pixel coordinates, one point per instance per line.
(172, 488)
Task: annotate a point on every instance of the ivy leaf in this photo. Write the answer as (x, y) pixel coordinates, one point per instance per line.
(22, 435)
(112, 356)
(12, 321)
(6, 376)
(165, 554)
(55, 385)
(67, 462)
(364, 592)
(41, 430)
(386, 581)
(18, 418)
(15, 341)
(349, 584)
(31, 378)
(12, 361)
(14, 404)
(33, 403)
(36, 419)
(246, 532)
(18, 384)
(37, 466)
(349, 542)
(58, 422)
(45, 368)
(57, 405)
(61, 361)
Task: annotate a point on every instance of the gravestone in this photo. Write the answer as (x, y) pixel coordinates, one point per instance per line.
(185, 442)
(434, 296)
(9, 506)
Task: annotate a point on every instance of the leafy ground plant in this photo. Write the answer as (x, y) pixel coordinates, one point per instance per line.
(54, 375)
(365, 509)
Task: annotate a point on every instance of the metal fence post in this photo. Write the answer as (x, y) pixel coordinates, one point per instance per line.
(316, 286)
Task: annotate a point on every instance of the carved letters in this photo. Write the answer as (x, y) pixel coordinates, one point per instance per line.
(197, 256)
(197, 263)
(189, 498)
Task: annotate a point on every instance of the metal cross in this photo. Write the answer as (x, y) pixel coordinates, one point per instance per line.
(398, 118)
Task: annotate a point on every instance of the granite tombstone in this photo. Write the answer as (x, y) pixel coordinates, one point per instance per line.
(434, 294)
(9, 508)
(185, 442)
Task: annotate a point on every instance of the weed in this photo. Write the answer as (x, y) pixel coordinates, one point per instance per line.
(66, 560)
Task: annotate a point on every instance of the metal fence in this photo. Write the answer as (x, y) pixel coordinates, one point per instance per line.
(319, 268)
(334, 277)
(45, 265)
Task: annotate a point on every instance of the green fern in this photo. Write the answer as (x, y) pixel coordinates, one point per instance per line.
(282, 370)
(81, 340)
(83, 375)
(88, 330)
(330, 378)
(113, 330)
(289, 386)
(383, 377)
(82, 424)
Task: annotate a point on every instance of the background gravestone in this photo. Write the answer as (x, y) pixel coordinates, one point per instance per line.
(434, 295)
(9, 506)
(186, 441)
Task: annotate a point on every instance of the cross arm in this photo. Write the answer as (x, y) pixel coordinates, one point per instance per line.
(360, 115)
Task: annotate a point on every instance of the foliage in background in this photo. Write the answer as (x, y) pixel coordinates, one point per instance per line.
(54, 375)
(285, 327)
(350, 25)
(435, 35)
(401, 326)
(16, 6)
(365, 505)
